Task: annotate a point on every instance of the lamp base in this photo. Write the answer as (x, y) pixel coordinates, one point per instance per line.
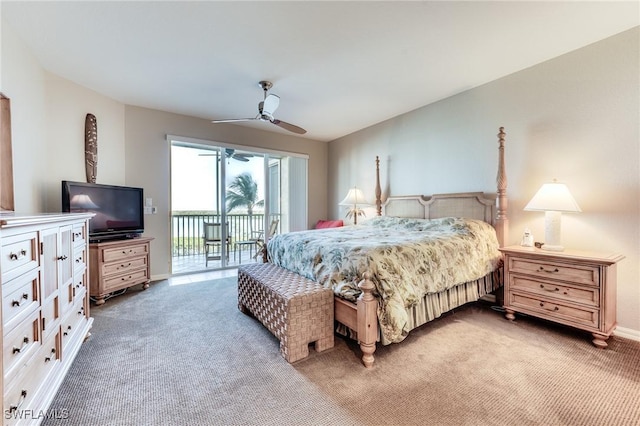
(550, 247)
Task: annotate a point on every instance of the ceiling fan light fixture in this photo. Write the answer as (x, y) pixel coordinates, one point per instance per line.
(266, 109)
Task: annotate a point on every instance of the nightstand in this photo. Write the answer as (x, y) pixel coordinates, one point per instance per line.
(571, 287)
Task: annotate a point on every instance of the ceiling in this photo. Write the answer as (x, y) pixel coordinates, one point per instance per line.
(338, 66)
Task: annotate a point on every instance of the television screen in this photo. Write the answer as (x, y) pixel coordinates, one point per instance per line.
(119, 210)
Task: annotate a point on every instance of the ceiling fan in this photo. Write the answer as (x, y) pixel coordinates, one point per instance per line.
(266, 108)
(231, 153)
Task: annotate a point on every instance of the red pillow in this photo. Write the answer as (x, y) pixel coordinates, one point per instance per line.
(329, 224)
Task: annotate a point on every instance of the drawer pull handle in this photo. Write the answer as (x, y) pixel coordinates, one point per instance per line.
(542, 269)
(125, 266)
(25, 296)
(555, 308)
(126, 279)
(548, 289)
(78, 260)
(63, 257)
(16, 256)
(53, 352)
(23, 396)
(25, 342)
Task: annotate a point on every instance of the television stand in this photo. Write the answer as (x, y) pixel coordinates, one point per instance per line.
(117, 265)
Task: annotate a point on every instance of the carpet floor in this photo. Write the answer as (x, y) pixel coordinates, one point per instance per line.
(185, 355)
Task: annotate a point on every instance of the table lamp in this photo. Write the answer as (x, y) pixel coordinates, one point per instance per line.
(553, 199)
(354, 198)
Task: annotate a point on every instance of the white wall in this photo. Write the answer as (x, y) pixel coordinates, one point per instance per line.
(574, 118)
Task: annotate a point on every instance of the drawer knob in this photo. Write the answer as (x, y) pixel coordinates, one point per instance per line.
(16, 256)
(25, 296)
(23, 396)
(542, 269)
(25, 342)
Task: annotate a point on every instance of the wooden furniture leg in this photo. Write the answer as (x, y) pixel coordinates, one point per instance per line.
(367, 320)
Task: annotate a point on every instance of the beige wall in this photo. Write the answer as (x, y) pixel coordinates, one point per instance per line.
(147, 153)
(574, 118)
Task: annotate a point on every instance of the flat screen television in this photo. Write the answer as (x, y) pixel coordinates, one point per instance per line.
(119, 210)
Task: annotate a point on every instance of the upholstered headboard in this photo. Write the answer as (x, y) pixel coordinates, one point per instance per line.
(472, 205)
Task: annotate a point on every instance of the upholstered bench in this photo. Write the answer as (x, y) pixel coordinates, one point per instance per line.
(298, 311)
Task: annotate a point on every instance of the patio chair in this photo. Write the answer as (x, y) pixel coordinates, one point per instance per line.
(213, 242)
(257, 241)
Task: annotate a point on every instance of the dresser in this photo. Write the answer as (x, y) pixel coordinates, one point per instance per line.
(45, 308)
(574, 288)
(117, 265)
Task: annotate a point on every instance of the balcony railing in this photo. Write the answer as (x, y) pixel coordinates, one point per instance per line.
(188, 228)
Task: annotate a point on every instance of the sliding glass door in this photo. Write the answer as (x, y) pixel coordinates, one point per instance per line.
(227, 202)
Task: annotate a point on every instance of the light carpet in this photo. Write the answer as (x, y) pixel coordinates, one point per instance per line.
(185, 355)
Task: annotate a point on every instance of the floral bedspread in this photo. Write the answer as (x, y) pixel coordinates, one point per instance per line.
(408, 258)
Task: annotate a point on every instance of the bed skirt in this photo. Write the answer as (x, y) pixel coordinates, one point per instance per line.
(434, 305)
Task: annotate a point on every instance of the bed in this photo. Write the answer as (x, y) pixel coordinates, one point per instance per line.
(420, 257)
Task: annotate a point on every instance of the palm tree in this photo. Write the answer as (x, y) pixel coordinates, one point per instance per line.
(243, 192)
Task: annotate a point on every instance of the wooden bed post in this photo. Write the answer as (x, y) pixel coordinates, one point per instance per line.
(367, 320)
(502, 222)
(378, 190)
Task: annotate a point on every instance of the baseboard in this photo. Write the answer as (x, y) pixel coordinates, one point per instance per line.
(627, 333)
(160, 277)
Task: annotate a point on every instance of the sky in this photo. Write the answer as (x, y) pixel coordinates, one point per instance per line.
(193, 177)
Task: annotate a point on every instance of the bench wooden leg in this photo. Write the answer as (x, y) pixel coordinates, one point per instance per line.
(296, 352)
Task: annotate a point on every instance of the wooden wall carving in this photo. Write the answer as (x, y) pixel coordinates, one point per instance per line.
(91, 147)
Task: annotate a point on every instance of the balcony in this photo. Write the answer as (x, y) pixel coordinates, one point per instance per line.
(187, 245)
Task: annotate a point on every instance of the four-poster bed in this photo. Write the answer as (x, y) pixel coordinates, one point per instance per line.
(368, 301)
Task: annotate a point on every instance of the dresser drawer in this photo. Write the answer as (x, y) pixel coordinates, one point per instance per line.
(71, 322)
(20, 297)
(565, 313)
(20, 344)
(19, 254)
(27, 382)
(585, 295)
(78, 235)
(124, 266)
(113, 254)
(79, 260)
(575, 273)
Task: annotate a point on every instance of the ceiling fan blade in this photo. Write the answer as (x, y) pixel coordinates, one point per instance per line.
(270, 104)
(233, 120)
(289, 127)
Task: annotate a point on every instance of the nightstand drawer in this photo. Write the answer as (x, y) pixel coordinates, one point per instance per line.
(575, 273)
(559, 312)
(586, 295)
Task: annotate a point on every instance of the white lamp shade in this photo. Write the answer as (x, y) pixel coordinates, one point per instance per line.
(553, 197)
(354, 197)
